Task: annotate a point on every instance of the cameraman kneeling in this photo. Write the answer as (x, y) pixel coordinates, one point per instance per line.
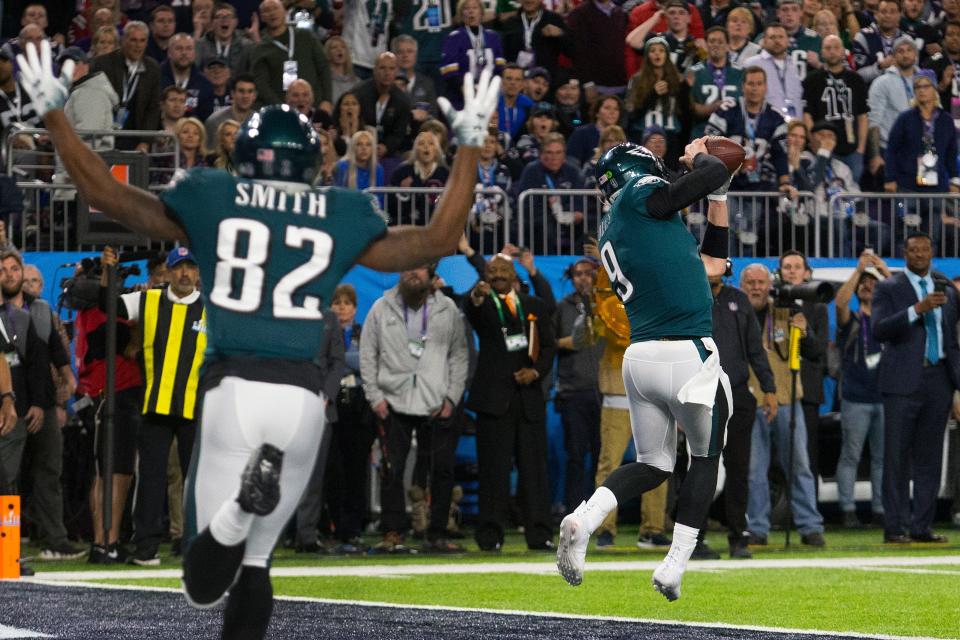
(775, 322)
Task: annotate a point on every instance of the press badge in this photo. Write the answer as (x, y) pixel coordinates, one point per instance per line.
(750, 168)
(525, 58)
(121, 116)
(13, 358)
(927, 170)
(289, 73)
(415, 347)
(515, 342)
(872, 360)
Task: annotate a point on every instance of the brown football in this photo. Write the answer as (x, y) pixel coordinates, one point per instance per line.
(729, 152)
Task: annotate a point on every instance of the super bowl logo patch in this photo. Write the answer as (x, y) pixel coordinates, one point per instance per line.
(265, 155)
(733, 306)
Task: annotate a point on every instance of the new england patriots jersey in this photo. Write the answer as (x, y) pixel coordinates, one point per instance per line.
(710, 84)
(654, 267)
(763, 138)
(270, 255)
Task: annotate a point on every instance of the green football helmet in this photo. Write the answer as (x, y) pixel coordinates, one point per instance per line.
(277, 143)
(623, 163)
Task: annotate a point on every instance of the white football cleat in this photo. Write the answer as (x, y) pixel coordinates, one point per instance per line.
(572, 550)
(667, 577)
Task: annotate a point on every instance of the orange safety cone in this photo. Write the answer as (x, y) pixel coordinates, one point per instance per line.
(9, 537)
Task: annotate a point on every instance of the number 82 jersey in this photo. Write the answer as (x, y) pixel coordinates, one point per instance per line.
(270, 255)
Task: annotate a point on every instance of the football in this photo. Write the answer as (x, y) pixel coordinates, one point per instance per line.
(729, 152)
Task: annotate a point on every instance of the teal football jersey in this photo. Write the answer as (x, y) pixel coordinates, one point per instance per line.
(270, 255)
(655, 267)
(429, 22)
(710, 85)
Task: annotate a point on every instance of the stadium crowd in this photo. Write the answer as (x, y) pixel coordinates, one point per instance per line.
(826, 98)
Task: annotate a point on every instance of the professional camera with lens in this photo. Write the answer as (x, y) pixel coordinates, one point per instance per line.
(786, 294)
(82, 291)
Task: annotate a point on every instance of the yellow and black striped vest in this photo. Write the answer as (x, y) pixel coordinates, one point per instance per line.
(174, 339)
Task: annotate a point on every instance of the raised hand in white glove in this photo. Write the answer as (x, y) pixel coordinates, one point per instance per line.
(47, 92)
(470, 124)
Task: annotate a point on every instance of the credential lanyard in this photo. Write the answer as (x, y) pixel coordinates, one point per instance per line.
(423, 321)
(130, 82)
(289, 48)
(528, 28)
(503, 319)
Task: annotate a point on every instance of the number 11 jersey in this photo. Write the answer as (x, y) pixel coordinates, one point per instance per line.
(270, 255)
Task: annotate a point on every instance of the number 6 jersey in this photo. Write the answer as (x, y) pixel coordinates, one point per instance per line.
(270, 255)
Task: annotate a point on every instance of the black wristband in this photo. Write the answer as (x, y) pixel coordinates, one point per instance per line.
(716, 241)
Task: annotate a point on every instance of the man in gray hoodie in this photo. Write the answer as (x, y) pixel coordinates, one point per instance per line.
(413, 360)
(92, 100)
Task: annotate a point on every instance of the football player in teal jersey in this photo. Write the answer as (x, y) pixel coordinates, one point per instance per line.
(671, 369)
(271, 249)
(715, 82)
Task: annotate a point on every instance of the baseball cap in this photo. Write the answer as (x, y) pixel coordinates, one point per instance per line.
(925, 74)
(73, 53)
(215, 61)
(874, 272)
(6, 54)
(655, 40)
(543, 109)
(680, 4)
(652, 130)
(178, 255)
(904, 39)
(783, 2)
(823, 125)
(538, 72)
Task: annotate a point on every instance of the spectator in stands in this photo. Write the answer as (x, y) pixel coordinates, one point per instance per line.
(179, 70)
(468, 48)
(795, 270)
(945, 64)
(598, 30)
(762, 132)
(640, 14)
(607, 111)
(342, 75)
(217, 73)
(516, 351)
(16, 109)
(739, 341)
(44, 443)
(890, 94)
(103, 17)
(577, 391)
(715, 12)
(193, 143)
(224, 41)
(300, 98)
(136, 79)
(921, 155)
(914, 316)
(226, 138)
(803, 46)
(861, 408)
(838, 95)
(359, 168)
(414, 372)
(740, 27)
(873, 47)
(85, 23)
(163, 24)
(243, 96)
(105, 40)
(611, 137)
(681, 46)
(756, 281)
(384, 106)
(33, 285)
(92, 99)
(487, 215)
(513, 106)
(786, 95)
(33, 28)
(713, 82)
(912, 23)
(173, 107)
(536, 36)
(658, 96)
(556, 223)
(364, 30)
(419, 87)
(328, 159)
(285, 54)
(347, 119)
(536, 84)
(426, 168)
(541, 123)
(570, 108)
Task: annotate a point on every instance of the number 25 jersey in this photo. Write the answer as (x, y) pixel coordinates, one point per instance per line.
(270, 255)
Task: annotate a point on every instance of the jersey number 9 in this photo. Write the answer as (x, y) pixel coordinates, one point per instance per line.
(245, 295)
(621, 286)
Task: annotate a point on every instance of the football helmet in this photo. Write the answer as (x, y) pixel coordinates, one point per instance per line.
(277, 143)
(623, 163)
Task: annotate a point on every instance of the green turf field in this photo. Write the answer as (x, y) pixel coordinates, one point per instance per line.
(922, 599)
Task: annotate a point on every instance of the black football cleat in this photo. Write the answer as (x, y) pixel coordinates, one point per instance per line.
(260, 483)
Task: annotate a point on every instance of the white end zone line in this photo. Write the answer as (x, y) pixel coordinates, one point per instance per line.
(14, 632)
(507, 612)
(530, 568)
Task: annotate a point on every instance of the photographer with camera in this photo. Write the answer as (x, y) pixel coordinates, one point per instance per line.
(776, 315)
(171, 320)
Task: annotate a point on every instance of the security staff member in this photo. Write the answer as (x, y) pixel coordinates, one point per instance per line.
(737, 334)
(172, 323)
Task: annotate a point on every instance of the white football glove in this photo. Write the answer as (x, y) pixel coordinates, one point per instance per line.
(470, 125)
(47, 92)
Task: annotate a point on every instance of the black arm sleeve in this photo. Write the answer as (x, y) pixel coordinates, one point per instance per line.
(708, 175)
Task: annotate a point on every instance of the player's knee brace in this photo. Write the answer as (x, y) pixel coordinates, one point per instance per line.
(249, 606)
(209, 568)
(633, 479)
(697, 491)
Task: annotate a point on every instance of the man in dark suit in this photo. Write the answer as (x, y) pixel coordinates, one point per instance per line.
(385, 106)
(136, 79)
(915, 317)
(508, 396)
(536, 37)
